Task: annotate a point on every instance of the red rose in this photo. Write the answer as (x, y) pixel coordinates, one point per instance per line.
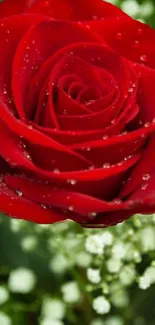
(77, 112)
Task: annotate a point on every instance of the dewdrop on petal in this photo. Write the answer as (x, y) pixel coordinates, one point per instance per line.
(5, 319)
(22, 280)
(93, 275)
(101, 305)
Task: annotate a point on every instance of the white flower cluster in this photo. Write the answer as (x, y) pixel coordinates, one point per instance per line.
(101, 305)
(147, 278)
(71, 292)
(96, 243)
(53, 312)
(99, 263)
(22, 281)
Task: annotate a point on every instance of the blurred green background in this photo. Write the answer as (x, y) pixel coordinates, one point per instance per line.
(143, 10)
(65, 275)
(62, 274)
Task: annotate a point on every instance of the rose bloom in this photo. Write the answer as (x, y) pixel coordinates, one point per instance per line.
(77, 112)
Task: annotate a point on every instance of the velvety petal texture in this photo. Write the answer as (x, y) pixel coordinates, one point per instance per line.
(75, 10)
(77, 112)
(12, 7)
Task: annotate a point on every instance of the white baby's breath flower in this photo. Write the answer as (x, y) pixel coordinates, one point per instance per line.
(71, 242)
(114, 320)
(49, 321)
(132, 253)
(22, 280)
(144, 283)
(127, 275)
(147, 239)
(146, 9)
(58, 264)
(114, 265)
(119, 250)
(5, 319)
(83, 259)
(97, 321)
(101, 305)
(120, 298)
(53, 308)
(16, 225)
(147, 278)
(107, 238)
(4, 295)
(131, 7)
(71, 292)
(28, 243)
(94, 244)
(93, 275)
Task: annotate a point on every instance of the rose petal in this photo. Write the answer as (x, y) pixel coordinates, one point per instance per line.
(142, 170)
(115, 149)
(91, 212)
(146, 98)
(20, 151)
(45, 113)
(76, 10)
(19, 207)
(90, 76)
(9, 7)
(10, 36)
(17, 155)
(42, 193)
(35, 48)
(128, 37)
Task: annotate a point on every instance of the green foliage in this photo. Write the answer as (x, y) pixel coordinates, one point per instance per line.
(65, 273)
(143, 10)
